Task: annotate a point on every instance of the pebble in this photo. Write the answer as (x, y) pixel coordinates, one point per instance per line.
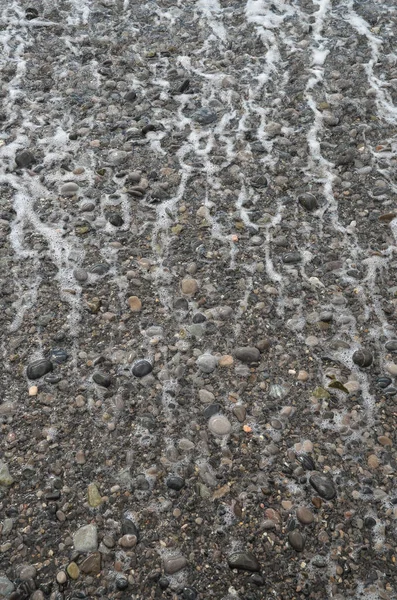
(141, 368)
(248, 354)
(204, 116)
(308, 201)
(80, 275)
(61, 577)
(117, 157)
(206, 397)
(33, 390)
(102, 379)
(304, 515)
(80, 457)
(391, 345)
(69, 189)
(38, 368)
(121, 582)
(243, 561)
(296, 540)
(5, 477)
(189, 286)
(219, 425)
(128, 541)
(94, 497)
(174, 482)
(291, 258)
(58, 356)
(134, 303)
(92, 564)
(173, 564)
(391, 368)
(6, 587)
(226, 361)
(86, 539)
(303, 376)
(207, 363)
(24, 159)
(373, 461)
(129, 527)
(240, 412)
(73, 570)
(323, 485)
(362, 358)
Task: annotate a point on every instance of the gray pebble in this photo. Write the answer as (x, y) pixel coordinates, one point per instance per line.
(38, 368)
(248, 354)
(292, 258)
(204, 116)
(69, 189)
(219, 425)
(296, 540)
(207, 363)
(80, 275)
(173, 564)
(24, 159)
(323, 485)
(244, 561)
(86, 539)
(6, 587)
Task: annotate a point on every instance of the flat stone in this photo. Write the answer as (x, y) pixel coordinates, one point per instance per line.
(226, 361)
(207, 363)
(173, 564)
(304, 515)
(61, 577)
(248, 354)
(243, 561)
(129, 527)
(27, 572)
(219, 425)
(296, 540)
(6, 587)
(206, 397)
(73, 570)
(5, 477)
(92, 564)
(117, 157)
(94, 497)
(323, 485)
(86, 539)
(189, 286)
(175, 482)
(38, 368)
(292, 258)
(69, 189)
(240, 412)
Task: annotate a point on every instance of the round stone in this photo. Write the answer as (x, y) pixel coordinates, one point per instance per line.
(189, 286)
(391, 345)
(248, 354)
(391, 368)
(219, 425)
(199, 318)
(207, 363)
(204, 116)
(304, 515)
(308, 201)
(174, 482)
(128, 541)
(296, 540)
(141, 368)
(134, 303)
(102, 379)
(38, 368)
(61, 577)
(58, 355)
(292, 258)
(73, 570)
(69, 189)
(24, 159)
(117, 157)
(121, 582)
(80, 275)
(362, 358)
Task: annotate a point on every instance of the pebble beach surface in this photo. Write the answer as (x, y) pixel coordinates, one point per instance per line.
(198, 224)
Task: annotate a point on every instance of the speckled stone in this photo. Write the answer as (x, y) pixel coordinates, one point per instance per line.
(86, 539)
(219, 425)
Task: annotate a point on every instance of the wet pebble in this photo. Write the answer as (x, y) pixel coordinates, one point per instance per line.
(24, 159)
(141, 368)
(6, 587)
(58, 355)
(362, 358)
(243, 561)
(323, 485)
(173, 564)
(121, 582)
(204, 116)
(69, 189)
(292, 258)
(248, 354)
(308, 201)
(102, 379)
(207, 363)
(219, 425)
(391, 345)
(304, 515)
(174, 482)
(296, 540)
(128, 541)
(189, 286)
(38, 368)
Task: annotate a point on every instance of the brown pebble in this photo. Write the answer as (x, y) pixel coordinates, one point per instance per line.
(385, 441)
(134, 303)
(92, 564)
(226, 361)
(296, 540)
(240, 412)
(373, 461)
(317, 502)
(189, 287)
(303, 376)
(304, 515)
(128, 541)
(272, 514)
(80, 457)
(33, 391)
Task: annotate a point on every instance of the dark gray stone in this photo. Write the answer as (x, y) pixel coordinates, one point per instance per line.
(323, 485)
(244, 561)
(38, 368)
(248, 354)
(102, 379)
(141, 368)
